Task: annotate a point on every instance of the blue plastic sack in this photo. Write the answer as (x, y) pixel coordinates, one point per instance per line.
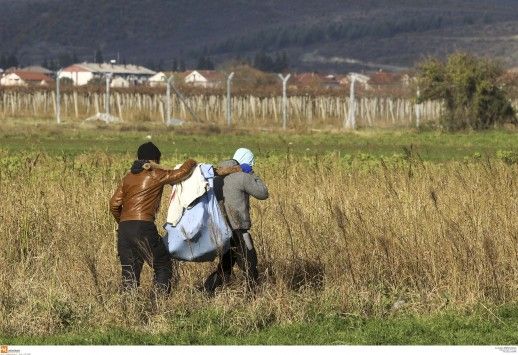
(202, 233)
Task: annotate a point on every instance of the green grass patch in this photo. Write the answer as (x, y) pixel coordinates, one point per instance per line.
(432, 146)
(447, 328)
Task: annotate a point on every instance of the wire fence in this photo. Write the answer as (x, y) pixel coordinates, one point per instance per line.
(303, 110)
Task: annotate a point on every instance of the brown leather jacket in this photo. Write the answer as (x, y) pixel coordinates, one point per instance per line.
(138, 196)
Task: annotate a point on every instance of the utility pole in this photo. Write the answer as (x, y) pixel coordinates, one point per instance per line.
(229, 103)
(58, 98)
(284, 99)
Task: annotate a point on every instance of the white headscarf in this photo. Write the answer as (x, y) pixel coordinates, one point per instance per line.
(244, 156)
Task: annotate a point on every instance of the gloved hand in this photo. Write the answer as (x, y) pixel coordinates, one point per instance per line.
(247, 169)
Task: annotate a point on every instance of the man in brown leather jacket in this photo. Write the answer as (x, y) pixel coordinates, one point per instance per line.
(134, 206)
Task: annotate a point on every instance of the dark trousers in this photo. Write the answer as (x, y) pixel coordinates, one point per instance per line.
(245, 257)
(139, 242)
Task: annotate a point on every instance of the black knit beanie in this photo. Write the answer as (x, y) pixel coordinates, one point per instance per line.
(149, 151)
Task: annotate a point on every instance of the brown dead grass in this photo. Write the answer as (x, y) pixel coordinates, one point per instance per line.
(334, 237)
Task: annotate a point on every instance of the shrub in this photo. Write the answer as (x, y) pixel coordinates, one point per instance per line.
(66, 82)
(507, 156)
(469, 88)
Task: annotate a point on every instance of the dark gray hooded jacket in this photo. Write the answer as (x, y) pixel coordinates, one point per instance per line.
(235, 191)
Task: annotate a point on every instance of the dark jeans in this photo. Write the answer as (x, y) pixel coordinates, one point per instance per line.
(139, 241)
(246, 259)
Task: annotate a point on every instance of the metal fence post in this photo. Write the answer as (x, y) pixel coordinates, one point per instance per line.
(58, 98)
(284, 99)
(229, 104)
(351, 117)
(418, 109)
(107, 97)
(168, 98)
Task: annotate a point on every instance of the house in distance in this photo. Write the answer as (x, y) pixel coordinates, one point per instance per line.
(82, 73)
(205, 78)
(25, 78)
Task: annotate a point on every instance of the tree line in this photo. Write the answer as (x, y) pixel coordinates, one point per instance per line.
(8, 61)
(304, 35)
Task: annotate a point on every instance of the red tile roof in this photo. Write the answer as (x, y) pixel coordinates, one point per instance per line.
(75, 68)
(32, 76)
(315, 78)
(384, 78)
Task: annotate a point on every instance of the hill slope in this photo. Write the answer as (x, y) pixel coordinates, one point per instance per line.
(325, 34)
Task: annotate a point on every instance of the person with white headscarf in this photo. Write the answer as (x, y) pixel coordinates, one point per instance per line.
(234, 191)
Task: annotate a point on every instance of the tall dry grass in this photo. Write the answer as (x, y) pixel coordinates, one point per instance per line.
(336, 237)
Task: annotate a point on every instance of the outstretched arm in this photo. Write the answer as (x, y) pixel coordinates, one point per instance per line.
(152, 165)
(227, 171)
(173, 176)
(218, 171)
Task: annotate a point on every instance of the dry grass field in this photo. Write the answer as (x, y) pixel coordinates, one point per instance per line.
(340, 236)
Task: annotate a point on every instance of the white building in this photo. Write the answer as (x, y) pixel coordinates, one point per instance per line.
(119, 82)
(25, 78)
(82, 73)
(158, 79)
(204, 78)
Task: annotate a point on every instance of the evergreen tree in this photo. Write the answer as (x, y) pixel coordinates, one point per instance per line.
(264, 62)
(209, 64)
(12, 61)
(182, 66)
(52, 65)
(205, 63)
(201, 63)
(285, 61)
(280, 63)
(98, 56)
(64, 60)
(3, 61)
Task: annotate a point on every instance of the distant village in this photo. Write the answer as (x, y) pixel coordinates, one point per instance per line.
(129, 75)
